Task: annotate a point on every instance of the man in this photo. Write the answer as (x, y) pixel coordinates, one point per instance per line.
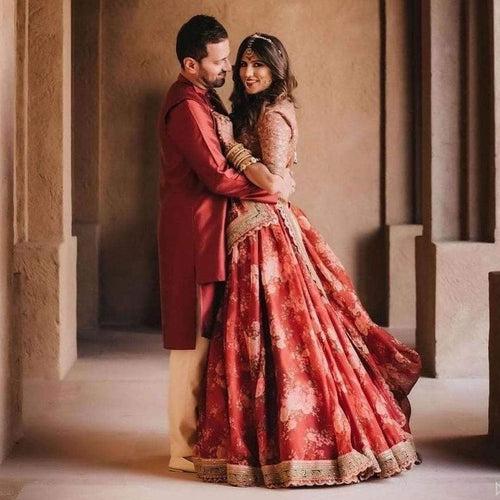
(195, 181)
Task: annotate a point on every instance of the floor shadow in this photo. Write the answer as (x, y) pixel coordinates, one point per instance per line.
(466, 450)
(104, 450)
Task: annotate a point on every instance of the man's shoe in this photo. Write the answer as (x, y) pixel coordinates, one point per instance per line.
(180, 464)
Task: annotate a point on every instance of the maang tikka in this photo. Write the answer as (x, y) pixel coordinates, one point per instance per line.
(254, 37)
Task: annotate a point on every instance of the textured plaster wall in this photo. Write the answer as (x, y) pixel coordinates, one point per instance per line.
(10, 367)
(334, 47)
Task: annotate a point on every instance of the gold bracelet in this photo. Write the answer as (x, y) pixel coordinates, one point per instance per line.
(232, 149)
(246, 162)
(235, 149)
(242, 166)
(235, 152)
(240, 155)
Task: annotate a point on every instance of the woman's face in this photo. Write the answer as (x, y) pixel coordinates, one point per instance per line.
(255, 74)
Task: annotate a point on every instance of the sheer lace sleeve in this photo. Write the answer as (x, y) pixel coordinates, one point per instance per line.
(275, 134)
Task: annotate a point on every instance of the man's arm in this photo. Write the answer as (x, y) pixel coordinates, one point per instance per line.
(191, 129)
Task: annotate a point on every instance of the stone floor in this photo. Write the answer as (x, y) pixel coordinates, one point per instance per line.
(101, 434)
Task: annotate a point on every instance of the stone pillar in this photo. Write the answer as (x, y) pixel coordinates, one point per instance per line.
(10, 365)
(494, 277)
(86, 28)
(45, 251)
(479, 223)
(402, 280)
(494, 357)
(452, 270)
(495, 186)
(398, 161)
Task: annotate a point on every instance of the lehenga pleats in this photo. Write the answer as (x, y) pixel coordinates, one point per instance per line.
(302, 388)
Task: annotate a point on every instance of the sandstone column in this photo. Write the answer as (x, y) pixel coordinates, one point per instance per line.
(10, 366)
(452, 261)
(400, 200)
(494, 277)
(86, 29)
(45, 250)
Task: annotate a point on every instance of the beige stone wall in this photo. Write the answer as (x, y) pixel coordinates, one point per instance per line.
(334, 47)
(10, 369)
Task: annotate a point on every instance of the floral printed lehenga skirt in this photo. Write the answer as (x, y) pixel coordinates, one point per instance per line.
(302, 387)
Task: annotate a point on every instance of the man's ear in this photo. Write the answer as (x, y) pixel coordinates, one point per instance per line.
(191, 65)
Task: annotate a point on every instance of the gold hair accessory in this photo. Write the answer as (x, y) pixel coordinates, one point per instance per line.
(255, 36)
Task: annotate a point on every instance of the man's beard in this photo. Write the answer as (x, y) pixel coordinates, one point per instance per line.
(215, 84)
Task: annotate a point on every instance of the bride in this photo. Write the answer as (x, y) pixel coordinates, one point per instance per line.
(302, 387)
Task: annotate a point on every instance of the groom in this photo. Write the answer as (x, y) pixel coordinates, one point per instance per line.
(195, 183)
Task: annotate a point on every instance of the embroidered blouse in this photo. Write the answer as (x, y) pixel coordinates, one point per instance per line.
(273, 140)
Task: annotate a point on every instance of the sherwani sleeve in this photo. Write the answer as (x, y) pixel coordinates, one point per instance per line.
(195, 137)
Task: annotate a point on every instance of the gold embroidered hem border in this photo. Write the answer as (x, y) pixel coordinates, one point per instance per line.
(350, 468)
(257, 216)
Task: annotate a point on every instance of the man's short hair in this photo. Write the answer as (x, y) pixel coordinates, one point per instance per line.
(194, 36)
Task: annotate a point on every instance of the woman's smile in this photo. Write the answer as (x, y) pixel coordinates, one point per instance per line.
(251, 82)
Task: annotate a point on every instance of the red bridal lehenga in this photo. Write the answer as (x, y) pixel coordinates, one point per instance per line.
(302, 387)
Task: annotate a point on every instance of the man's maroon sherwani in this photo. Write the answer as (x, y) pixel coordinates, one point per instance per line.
(195, 181)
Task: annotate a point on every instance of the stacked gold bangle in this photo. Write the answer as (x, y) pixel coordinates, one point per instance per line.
(240, 156)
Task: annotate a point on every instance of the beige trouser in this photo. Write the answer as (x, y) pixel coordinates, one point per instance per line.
(186, 370)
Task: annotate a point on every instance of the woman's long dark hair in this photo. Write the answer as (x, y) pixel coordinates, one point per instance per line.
(246, 108)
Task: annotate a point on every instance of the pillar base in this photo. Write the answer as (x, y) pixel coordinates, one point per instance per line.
(452, 291)
(402, 294)
(47, 307)
(87, 275)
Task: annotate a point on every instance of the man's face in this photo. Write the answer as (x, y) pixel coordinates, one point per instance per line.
(213, 67)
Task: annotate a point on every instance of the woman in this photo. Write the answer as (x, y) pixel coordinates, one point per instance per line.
(302, 388)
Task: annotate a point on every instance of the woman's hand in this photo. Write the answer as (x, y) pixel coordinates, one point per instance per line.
(287, 185)
(224, 129)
